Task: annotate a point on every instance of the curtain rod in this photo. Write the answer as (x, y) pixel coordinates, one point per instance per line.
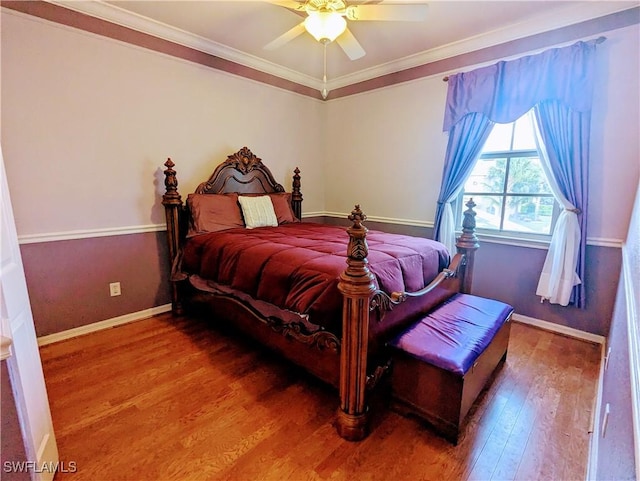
(599, 40)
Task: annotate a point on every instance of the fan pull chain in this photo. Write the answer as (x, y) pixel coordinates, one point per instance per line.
(325, 92)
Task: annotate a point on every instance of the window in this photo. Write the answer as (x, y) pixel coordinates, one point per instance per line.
(509, 185)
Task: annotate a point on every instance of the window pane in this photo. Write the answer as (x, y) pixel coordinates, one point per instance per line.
(511, 189)
(529, 214)
(523, 138)
(487, 176)
(527, 177)
(499, 139)
(488, 211)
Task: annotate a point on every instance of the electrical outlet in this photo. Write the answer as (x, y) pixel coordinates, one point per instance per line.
(114, 289)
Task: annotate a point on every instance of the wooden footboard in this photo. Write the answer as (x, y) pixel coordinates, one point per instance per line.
(172, 202)
(361, 296)
(243, 172)
(357, 287)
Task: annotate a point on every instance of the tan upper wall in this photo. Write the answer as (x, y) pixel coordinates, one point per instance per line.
(391, 140)
(88, 121)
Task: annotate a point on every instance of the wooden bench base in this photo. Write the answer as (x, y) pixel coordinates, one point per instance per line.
(442, 397)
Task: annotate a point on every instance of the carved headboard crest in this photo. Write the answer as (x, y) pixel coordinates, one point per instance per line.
(241, 172)
(244, 160)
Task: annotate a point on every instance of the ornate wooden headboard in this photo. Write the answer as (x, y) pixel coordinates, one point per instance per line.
(242, 172)
(245, 173)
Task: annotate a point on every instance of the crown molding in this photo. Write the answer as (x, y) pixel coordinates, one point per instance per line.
(571, 15)
(119, 16)
(545, 22)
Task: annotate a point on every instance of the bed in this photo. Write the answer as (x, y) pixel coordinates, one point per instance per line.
(325, 297)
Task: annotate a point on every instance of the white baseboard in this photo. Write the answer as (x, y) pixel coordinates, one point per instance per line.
(144, 314)
(567, 331)
(592, 464)
(106, 324)
(594, 431)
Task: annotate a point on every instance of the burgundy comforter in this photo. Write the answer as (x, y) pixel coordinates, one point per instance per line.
(297, 266)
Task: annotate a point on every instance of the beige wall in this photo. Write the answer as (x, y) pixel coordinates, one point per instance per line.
(391, 140)
(87, 123)
(615, 143)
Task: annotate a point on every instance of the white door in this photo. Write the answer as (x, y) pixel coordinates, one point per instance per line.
(25, 368)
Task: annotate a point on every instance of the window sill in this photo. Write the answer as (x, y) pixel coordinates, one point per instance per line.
(512, 240)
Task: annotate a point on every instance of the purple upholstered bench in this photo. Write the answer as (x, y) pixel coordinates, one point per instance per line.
(442, 362)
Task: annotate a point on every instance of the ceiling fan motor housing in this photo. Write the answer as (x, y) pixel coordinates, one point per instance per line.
(337, 6)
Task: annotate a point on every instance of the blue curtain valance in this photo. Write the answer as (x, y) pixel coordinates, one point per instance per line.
(564, 74)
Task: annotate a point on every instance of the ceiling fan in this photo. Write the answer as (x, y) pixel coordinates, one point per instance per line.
(325, 20)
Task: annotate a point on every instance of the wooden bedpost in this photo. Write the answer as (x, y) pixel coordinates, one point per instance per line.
(172, 205)
(357, 287)
(296, 195)
(467, 244)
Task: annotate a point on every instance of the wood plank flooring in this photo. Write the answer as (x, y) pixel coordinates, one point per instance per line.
(173, 399)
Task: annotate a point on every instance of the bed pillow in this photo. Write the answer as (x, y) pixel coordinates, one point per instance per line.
(213, 212)
(258, 211)
(281, 205)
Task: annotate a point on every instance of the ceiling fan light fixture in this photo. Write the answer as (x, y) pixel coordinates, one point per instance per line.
(325, 25)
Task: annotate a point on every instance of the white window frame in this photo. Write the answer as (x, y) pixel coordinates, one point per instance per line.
(505, 236)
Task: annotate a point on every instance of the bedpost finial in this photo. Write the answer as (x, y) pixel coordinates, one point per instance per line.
(296, 195)
(296, 181)
(469, 221)
(357, 217)
(171, 195)
(468, 238)
(357, 248)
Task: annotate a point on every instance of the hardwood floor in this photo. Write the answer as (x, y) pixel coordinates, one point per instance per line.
(172, 399)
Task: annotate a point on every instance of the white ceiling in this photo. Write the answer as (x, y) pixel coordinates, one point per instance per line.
(238, 31)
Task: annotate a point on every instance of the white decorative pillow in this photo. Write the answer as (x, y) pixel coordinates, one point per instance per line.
(258, 211)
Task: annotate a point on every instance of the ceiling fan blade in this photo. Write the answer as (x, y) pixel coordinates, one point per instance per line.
(285, 37)
(350, 45)
(290, 4)
(398, 12)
